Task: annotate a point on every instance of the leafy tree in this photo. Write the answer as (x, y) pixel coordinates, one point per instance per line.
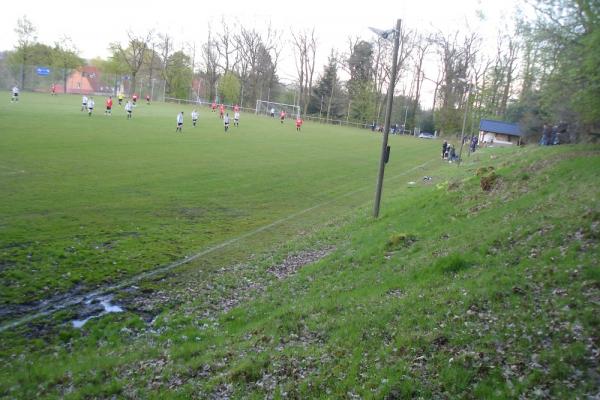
(229, 86)
(36, 54)
(64, 58)
(563, 43)
(23, 54)
(362, 106)
(112, 66)
(179, 75)
(133, 55)
(360, 62)
(326, 94)
(360, 87)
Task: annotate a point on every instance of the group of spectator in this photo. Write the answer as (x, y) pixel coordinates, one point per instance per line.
(394, 128)
(550, 136)
(449, 152)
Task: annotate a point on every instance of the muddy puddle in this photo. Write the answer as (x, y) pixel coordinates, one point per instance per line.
(95, 308)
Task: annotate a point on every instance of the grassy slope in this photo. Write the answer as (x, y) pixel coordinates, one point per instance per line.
(453, 292)
(90, 200)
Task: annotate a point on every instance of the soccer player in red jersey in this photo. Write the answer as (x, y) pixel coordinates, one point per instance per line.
(109, 103)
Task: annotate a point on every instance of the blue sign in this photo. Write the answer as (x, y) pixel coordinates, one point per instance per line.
(42, 71)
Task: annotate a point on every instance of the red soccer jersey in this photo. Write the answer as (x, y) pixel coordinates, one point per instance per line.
(298, 122)
(134, 97)
(282, 115)
(109, 103)
(236, 108)
(214, 105)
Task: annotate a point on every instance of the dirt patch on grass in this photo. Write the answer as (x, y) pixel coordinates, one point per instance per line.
(294, 262)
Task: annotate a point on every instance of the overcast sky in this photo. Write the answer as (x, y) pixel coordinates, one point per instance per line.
(93, 25)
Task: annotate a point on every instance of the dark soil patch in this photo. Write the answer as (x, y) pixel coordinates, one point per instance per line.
(294, 262)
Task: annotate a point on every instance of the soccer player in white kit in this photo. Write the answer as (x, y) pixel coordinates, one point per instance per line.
(129, 108)
(226, 122)
(179, 122)
(84, 101)
(236, 119)
(90, 106)
(194, 117)
(15, 94)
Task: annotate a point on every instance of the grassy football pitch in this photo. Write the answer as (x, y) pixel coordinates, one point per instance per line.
(90, 200)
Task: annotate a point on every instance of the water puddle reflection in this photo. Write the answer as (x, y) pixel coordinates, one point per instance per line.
(96, 308)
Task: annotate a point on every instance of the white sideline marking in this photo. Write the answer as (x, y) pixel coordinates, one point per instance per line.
(11, 171)
(52, 308)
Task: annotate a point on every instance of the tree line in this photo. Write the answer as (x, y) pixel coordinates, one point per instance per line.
(545, 70)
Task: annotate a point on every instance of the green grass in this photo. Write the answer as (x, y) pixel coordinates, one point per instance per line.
(454, 292)
(91, 200)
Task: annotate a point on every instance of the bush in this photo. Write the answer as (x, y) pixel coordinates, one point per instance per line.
(451, 264)
(488, 181)
(399, 240)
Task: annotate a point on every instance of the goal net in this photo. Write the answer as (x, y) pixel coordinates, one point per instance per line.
(264, 107)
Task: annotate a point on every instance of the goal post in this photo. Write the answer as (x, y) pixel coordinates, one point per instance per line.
(264, 107)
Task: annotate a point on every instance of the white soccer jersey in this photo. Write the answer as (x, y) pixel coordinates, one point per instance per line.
(226, 120)
(128, 106)
(84, 100)
(180, 118)
(91, 104)
(194, 115)
(236, 115)
(15, 90)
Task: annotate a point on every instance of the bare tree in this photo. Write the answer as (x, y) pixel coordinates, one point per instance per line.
(134, 54)
(151, 67)
(305, 46)
(165, 46)
(479, 73)
(210, 58)
(256, 61)
(273, 46)
(192, 49)
(510, 65)
(383, 63)
(249, 44)
(501, 76)
(226, 46)
(457, 57)
(421, 48)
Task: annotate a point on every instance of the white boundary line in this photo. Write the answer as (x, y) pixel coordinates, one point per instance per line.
(49, 309)
(11, 171)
